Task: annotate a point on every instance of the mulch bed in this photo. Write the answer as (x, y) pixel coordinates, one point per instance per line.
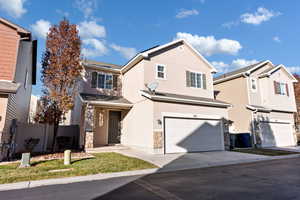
(53, 156)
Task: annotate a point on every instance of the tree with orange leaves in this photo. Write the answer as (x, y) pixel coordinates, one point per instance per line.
(61, 70)
(297, 96)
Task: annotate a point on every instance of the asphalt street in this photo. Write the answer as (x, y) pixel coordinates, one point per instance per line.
(276, 179)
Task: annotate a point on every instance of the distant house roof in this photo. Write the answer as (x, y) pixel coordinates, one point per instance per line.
(176, 98)
(105, 100)
(9, 87)
(239, 72)
(101, 65)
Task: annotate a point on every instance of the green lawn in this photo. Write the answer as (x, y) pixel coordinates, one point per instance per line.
(265, 152)
(101, 163)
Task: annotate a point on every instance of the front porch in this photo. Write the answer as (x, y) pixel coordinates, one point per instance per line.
(103, 121)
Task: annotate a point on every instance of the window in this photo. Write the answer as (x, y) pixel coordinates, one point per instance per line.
(196, 80)
(281, 88)
(253, 84)
(160, 72)
(104, 81)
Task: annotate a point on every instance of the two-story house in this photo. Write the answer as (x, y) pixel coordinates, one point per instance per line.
(263, 102)
(161, 101)
(17, 74)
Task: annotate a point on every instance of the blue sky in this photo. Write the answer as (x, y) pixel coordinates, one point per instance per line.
(230, 34)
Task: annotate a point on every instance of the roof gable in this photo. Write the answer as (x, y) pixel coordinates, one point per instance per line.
(147, 53)
(272, 71)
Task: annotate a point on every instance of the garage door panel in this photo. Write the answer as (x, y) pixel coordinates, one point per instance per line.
(192, 135)
(277, 134)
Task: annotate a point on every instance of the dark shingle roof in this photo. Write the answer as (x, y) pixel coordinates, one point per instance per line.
(96, 64)
(104, 98)
(186, 97)
(8, 87)
(238, 71)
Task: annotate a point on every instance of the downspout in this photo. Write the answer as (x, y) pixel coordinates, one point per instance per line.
(253, 126)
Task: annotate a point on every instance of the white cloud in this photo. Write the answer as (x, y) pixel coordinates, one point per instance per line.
(90, 29)
(220, 66)
(235, 64)
(276, 39)
(14, 8)
(294, 69)
(87, 7)
(209, 45)
(41, 28)
(238, 63)
(94, 48)
(126, 52)
(261, 15)
(183, 13)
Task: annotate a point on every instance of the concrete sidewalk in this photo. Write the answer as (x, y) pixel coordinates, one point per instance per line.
(168, 162)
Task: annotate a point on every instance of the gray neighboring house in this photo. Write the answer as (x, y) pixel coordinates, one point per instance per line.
(17, 75)
(263, 102)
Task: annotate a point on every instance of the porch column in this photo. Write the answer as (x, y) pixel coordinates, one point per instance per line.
(89, 126)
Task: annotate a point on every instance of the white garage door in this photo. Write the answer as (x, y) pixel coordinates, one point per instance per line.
(192, 135)
(277, 134)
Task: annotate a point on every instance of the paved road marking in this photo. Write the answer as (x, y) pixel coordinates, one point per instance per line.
(157, 190)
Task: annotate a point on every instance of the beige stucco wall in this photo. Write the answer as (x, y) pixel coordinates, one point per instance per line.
(177, 61)
(235, 92)
(133, 82)
(276, 101)
(137, 125)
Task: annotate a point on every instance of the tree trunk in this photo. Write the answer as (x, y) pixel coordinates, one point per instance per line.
(55, 130)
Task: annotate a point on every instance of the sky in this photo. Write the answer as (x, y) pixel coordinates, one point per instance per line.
(230, 34)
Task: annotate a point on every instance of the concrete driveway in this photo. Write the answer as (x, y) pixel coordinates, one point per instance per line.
(170, 162)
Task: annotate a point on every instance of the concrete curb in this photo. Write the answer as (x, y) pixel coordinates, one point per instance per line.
(56, 181)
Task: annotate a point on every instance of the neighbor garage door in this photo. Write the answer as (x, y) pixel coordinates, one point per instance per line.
(192, 135)
(277, 134)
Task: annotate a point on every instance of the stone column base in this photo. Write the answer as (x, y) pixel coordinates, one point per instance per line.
(89, 139)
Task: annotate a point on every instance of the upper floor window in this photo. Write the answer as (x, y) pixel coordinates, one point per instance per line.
(195, 79)
(104, 81)
(281, 88)
(161, 71)
(253, 84)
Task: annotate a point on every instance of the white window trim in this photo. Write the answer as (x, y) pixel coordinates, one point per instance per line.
(165, 72)
(251, 83)
(197, 72)
(105, 74)
(284, 88)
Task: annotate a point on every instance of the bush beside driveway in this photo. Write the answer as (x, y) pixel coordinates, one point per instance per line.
(100, 163)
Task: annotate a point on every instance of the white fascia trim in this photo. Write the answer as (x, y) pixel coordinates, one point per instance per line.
(213, 69)
(257, 109)
(110, 104)
(294, 80)
(154, 97)
(146, 54)
(277, 120)
(190, 115)
(258, 66)
(102, 68)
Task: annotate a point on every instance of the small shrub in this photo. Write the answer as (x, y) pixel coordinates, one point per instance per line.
(31, 143)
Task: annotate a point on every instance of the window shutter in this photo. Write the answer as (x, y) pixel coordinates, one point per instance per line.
(287, 89)
(115, 82)
(188, 79)
(204, 81)
(94, 80)
(276, 87)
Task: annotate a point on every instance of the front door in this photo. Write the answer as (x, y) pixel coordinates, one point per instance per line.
(114, 132)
